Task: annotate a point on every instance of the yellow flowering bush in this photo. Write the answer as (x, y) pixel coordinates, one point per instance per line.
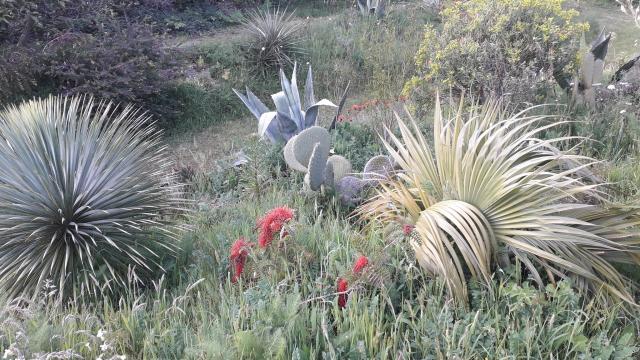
(501, 47)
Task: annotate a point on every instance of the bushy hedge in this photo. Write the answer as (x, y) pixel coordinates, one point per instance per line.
(498, 47)
(72, 47)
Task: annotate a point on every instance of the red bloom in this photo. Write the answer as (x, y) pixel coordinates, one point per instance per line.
(341, 118)
(238, 256)
(342, 290)
(272, 223)
(407, 229)
(360, 264)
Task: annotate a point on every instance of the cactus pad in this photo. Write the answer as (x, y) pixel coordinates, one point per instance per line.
(329, 176)
(378, 168)
(305, 141)
(340, 165)
(290, 158)
(317, 166)
(350, 188)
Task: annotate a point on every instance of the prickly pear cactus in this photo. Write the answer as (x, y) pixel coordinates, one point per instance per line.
(340, 165)
(349, 189)
(306, 140)
(290, 157)
(329, 175)
(317, 166)
(377, 168)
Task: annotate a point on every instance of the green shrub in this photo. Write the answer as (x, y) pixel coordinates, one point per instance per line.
(84, 198)
(498, 47)
(358, 143)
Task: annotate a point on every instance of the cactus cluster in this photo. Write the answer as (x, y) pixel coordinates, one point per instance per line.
(290, 117)
(372, 7)
(309, 152)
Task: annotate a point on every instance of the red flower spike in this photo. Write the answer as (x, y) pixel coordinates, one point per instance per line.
(360, 264)
(343, 285)
(407, 229)
(272, 223)
(238, 256)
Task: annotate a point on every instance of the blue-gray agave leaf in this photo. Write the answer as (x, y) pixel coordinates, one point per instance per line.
(311, 116)
(281, 102)
(309, 96)
(286, 126)
(252, 103)
(290, 89)
(268, 127)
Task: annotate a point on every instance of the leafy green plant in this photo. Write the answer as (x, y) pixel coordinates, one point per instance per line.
(489, 192)
(274, 38)
(84, 199)
(513, 53)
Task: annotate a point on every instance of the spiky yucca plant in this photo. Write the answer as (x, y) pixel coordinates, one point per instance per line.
(490, 190)
(274, 37)
(84, 193)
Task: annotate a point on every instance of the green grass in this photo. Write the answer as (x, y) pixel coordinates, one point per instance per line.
(286, 305)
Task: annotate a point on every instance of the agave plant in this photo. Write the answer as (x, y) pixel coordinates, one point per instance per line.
(372, 7)
(290, 117)
(84, 195)
(490, 190)
(274, 38)
(592, 67)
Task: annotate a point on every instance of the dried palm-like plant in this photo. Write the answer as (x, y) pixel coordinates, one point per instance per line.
(274, 38)
(489, 189)
(85, 195)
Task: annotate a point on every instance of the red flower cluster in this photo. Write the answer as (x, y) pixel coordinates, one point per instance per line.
(407, 229)
(238, 256)
(272, 223)
(360, 264)
(348, 117)
(343, 285)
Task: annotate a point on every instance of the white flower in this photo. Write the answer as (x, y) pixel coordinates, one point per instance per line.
(100, 334)
(623, 111)
(611, 87)
(8, 353)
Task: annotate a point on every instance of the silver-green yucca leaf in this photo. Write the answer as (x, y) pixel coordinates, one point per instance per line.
(490, 189)
(84, 196)
(274, 37)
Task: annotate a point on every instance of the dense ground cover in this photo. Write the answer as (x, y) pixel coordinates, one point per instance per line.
(305, 291)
